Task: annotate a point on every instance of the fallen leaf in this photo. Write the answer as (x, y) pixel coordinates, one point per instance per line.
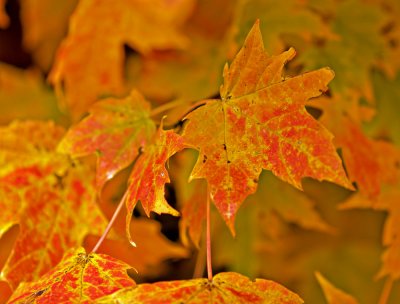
(260, 122)
(78, 278)
(228, 287)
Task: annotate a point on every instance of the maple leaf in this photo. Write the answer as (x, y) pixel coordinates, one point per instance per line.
(136, 23)
(228, 287)
(260, 122)
(149, 176)
(153, 247)
(52, 200)
(332, 294)
(78, 278)
(115, 130)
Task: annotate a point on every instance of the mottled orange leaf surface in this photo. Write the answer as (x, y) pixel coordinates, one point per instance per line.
(332, 294)
(261, 122)
(228, 287)
(78, 278)
(115, 130)
(149, 176)
(107, 26)
(52, 200)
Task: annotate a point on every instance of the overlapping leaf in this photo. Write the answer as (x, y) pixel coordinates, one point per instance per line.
(53, 203)
(78, 278)
(260, 122)
(106, 26)
(226, 287)
(115, 130)
(149, 176)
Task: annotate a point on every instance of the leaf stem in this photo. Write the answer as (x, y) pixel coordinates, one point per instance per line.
(387, 288)
(208, 236)
(110, 223)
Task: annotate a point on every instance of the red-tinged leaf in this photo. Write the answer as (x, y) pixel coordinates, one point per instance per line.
(115, 129)
(228, 287)
(149, 176)
(260, 122)
(54, 212)
(108, 26)
(334, 295)
(78, 278)
(52, 200)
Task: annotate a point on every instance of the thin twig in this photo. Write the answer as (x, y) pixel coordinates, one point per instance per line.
(110, 223)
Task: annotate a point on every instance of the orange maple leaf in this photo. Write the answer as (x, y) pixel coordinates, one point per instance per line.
(226, 287)
(260, 122)
(78, 278)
